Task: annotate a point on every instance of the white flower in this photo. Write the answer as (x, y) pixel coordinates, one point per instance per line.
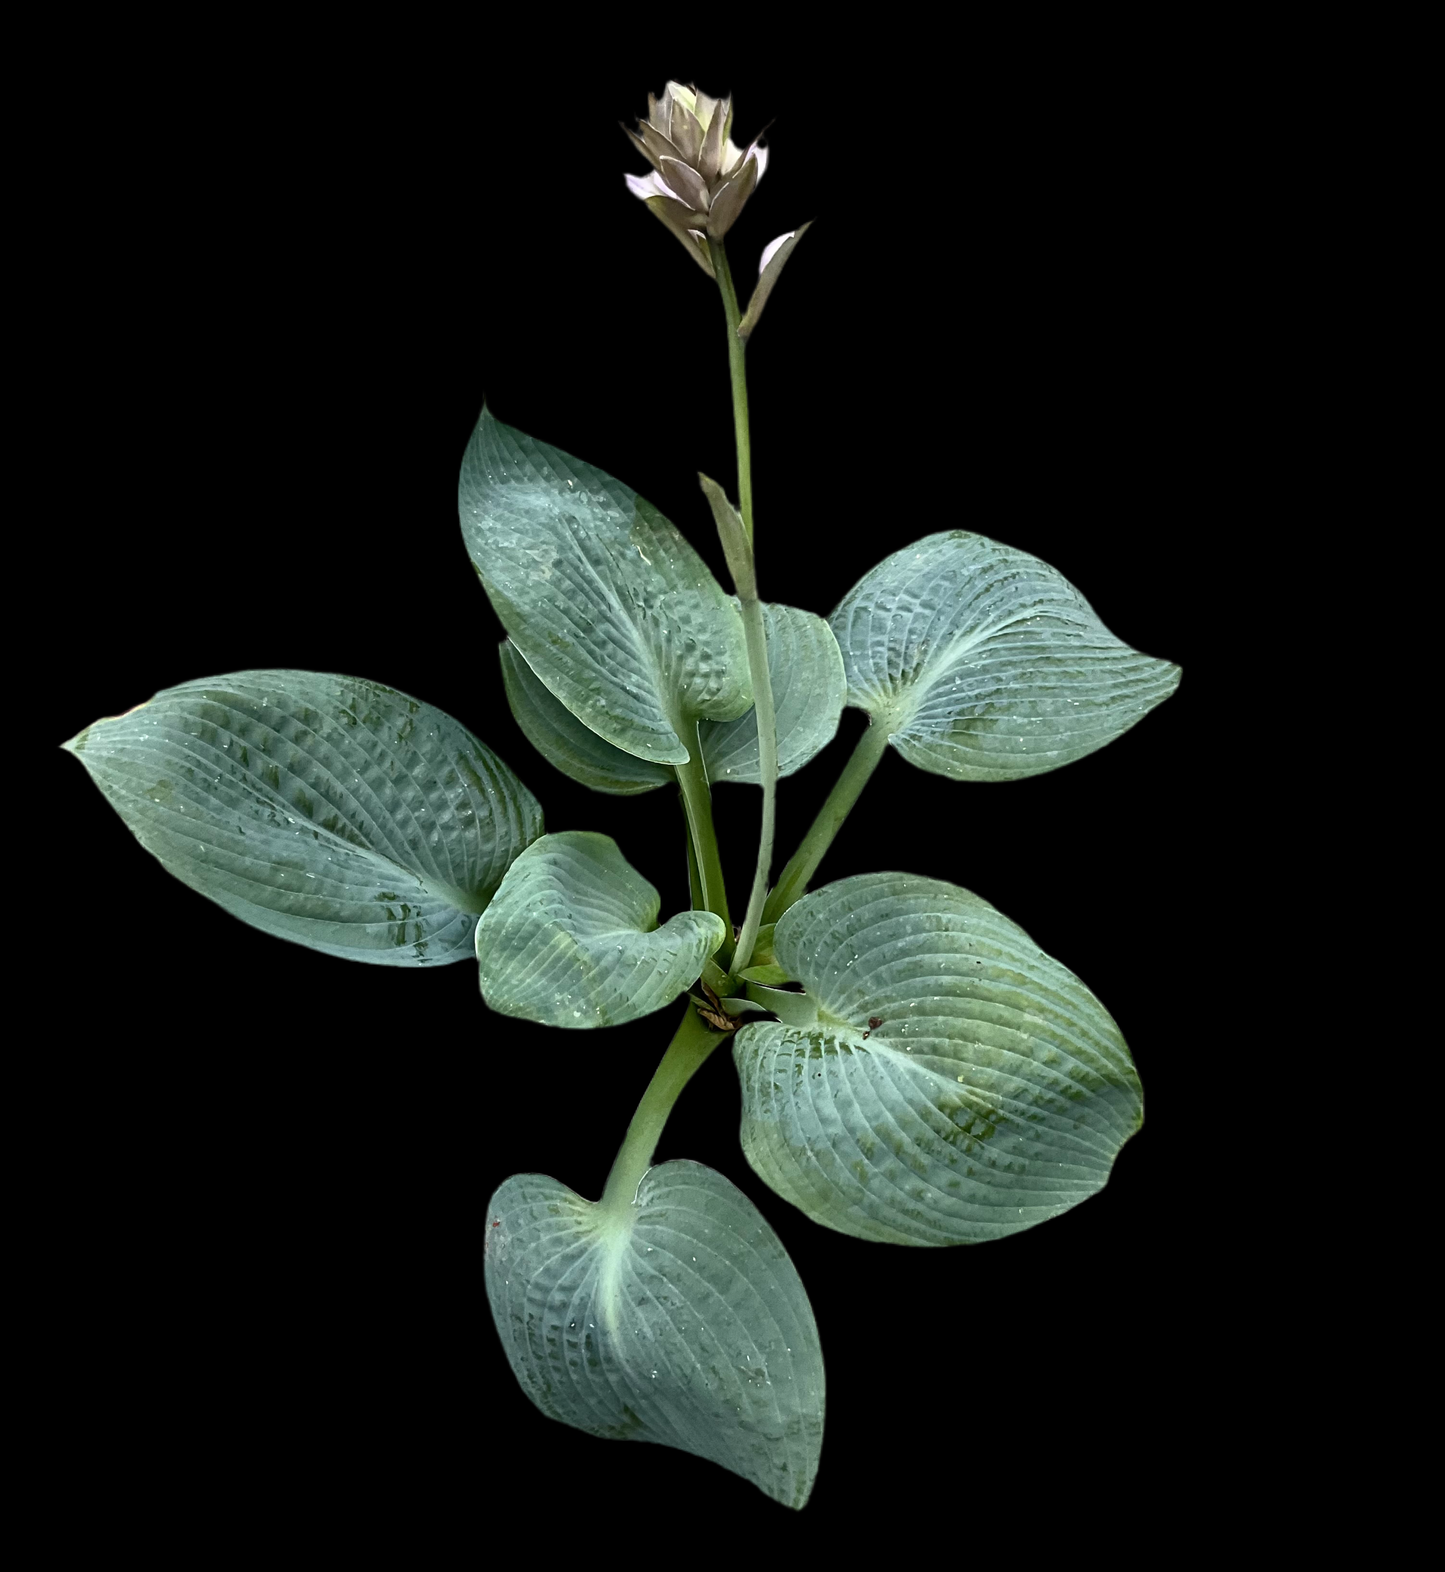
(700, 177)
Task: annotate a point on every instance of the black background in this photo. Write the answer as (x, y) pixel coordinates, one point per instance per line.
(300, 267)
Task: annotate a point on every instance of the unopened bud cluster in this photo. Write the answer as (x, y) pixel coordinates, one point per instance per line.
(700, 178)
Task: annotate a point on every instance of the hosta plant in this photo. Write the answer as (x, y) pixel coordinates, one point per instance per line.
(914, 1069)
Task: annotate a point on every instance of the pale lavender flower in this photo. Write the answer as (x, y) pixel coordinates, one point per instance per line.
(700, 178)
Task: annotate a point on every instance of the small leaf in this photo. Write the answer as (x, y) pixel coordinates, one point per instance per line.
(775, 258)
(607, 603)
(556, 733)
(571, 938)
(808, 689)
(682, 1323)
(986, 664)
(953, 1083)
(326, 810)
(763, 949)
(796, 1009)
(733, 1004)
(770, 976)
(733, 535)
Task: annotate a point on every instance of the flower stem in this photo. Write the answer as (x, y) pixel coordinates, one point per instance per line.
(736, 349)
(794, 881)
(693, 1041)
(745, 582)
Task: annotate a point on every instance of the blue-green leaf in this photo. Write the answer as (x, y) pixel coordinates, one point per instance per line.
(942, 1081)
(327, 810)
(556, 733)
(612, 609)
(571, 938)
(985, 663)
(808, 687)
(805, 669)
(682, 1322)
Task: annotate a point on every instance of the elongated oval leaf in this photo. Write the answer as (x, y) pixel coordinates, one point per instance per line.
(986, 664)
(955, 1083)
(606, 601)
(682, 1323)
(328, 810)
(556, 733)
(571, 937)
(808, 691)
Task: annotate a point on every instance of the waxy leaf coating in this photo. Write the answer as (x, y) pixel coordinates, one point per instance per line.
(943, 1082)
(681, 1321)
(611, 608)
(571, 938)
(328, 810)
(566, 744)
(806, 670)
(985, 663)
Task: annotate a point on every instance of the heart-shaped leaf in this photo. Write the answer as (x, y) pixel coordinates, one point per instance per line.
(331, 811)
(806, 669)
(986, 664)
(953, 1084)
(571, 937)
(607, 603)
(682, 1322)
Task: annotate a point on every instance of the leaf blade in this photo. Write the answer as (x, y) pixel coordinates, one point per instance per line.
(329, 811)
(571, 938)
(986, 664)
(684, 1323)
(956, 1084)
(805, 666)
(566, 744)
(607, 602)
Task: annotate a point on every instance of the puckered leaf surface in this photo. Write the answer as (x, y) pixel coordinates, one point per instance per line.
(328, 810)
(943, 1081)
(682, 1323)
(606, 601)
(571, 938)
(808, 688)
(985, 663)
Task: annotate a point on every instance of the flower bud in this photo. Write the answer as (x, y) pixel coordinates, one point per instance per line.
(700, 178)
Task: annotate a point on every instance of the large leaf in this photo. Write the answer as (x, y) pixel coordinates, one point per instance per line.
(986, 664)
(606, 601)
(954, 1083)
(571, 938)
(323, 809)
(682, 1322)
(808, 689)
